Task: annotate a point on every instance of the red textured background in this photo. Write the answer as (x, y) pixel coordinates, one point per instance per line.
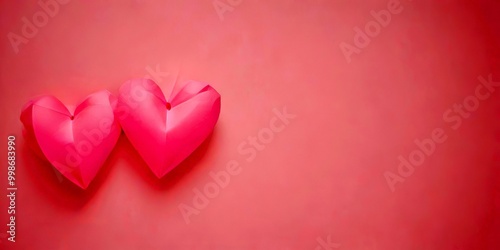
(322, 176)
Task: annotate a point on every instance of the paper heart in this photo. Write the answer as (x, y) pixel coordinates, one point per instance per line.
(75, 143)
(166, 131)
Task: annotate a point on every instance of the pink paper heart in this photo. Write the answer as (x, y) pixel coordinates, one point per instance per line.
(166, 131)
(77, 144)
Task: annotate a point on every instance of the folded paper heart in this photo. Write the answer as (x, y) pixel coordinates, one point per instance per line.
(166, 131)
(76, 143)
(163, 131)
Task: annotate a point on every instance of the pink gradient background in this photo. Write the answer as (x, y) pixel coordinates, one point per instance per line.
(321, 176)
